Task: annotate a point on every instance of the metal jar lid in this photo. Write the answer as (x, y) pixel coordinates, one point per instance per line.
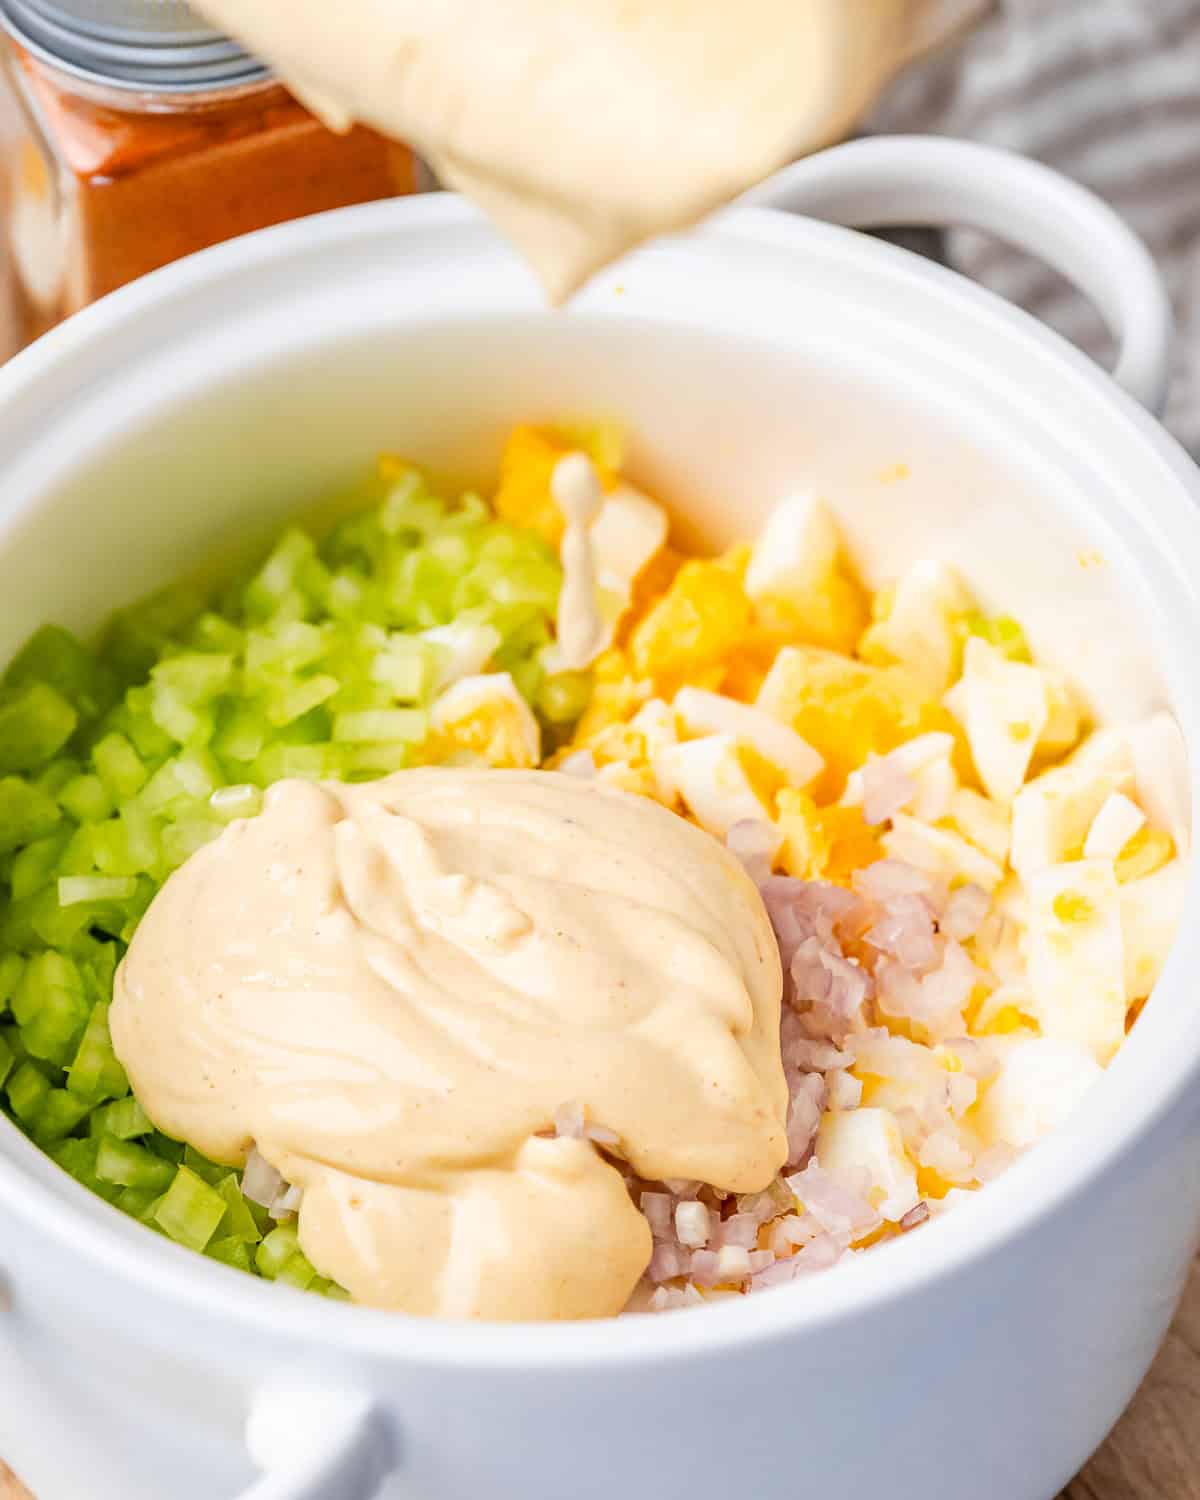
(159, 46)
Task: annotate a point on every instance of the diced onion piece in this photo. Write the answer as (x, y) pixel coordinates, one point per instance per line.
(261, 1183)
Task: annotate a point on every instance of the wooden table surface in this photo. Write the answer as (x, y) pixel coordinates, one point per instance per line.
(1152, 1454)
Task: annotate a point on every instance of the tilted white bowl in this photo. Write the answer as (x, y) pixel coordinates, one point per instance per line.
(988, 1354)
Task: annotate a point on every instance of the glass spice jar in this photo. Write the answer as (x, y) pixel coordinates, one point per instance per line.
(133, 134)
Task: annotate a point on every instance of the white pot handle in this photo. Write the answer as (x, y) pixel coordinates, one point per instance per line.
(318, 1445)
(891, 181)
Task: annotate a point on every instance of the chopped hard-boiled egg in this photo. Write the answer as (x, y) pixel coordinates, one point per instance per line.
(1114, 825)
(699, 620)
(1003, 708)
(984, 822)
(713, 778)
(922, 627)
(1052, 815)
(1151, 909)
(796, 579)
(1040, 1083)
(485, 719)
(782, 748)
(845, 709)
(941, 851)
(869, 1140)
(1076, 955)
(461, 649)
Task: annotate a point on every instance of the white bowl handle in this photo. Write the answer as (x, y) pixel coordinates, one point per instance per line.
(891, 181)
(318, 1445)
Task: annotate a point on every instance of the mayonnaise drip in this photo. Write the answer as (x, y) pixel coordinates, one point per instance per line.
(391, 989)
(581, 632)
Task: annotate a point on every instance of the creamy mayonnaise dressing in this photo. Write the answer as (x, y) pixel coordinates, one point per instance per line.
(586, 126)
(393, 988)
(580, 629)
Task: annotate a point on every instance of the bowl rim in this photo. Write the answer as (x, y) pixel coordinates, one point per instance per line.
(1045, 1182)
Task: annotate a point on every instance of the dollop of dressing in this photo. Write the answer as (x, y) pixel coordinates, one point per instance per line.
(577, 492)
(393, 988)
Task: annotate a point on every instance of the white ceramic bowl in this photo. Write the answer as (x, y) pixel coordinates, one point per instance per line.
(985, 1356)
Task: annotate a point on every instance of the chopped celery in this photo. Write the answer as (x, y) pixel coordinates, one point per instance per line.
(212, 1172)
(27, 1089)
(35, 722)
(50, 1006)
(73, 889)
(125, 1119)
(27, 812)
(58, 1116)
(381, 726)
(116, 766)
(276, 1250)
(1002, 632)
(119, 766)
(239, 1222)
(130, 1165)
(190, 1210)
(232, 1251)
(95, 1073)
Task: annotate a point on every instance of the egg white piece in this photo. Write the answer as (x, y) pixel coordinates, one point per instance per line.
(1077, 955)
(796, 550)
(869, 1139)
(492, 698)
(921, 630)
(1040, 1084)
(711, 778)
(702, 712)
(1002, 706)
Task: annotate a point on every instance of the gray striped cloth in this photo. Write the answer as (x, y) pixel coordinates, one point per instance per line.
(1108, 91)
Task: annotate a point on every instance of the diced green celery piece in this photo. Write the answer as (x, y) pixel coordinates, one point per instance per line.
(48, 924)
(334, 1292)
(238, 1223)
(232, 1251)
(137, 635)
(297, 1271)
(241, 801)
(381, 726)
(34, 865)
(410, 508)
(135, 909)
(57, 774)
(87, 799)
(180, 840)
(35, 723)
(174, 716)
(528, 676)
(136, 1201)
(190, 1210)
(119, 766)
(54, 656)
(276, 578)
(366, 762)
(51, 1007)
(61, 1111)
(564, 696)
(242, 734)
(211, 632)
(79, 857)
(95, 889)
(7, 1059)
(296, 698)
(211, 1171)
(162, 1145)
(142, 843)
(405, 667)
(125, 1119)
(150, 742)
(165, 787)
(286, 648)
(130, 1165)
(12, 966)
(196, 677)
(95, 1073)
(27, 1089)
(79, 1159)
(470, 512)
(27, 812)
(276, 1250)
(279, 762)
(347, 594)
